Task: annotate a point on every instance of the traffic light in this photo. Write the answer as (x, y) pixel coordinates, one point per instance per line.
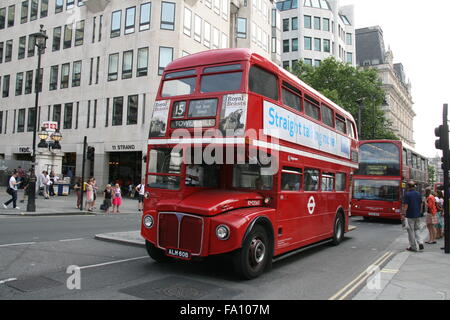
(442, 133)
(90, 153)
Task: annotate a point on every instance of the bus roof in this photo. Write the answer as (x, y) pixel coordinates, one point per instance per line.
(404, 144)
(243, 54)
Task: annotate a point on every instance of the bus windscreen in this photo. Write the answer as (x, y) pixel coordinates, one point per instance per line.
(379, 159)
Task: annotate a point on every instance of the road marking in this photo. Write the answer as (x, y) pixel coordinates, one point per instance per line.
(355, 283)
(113, 262)
(67, 240)
(389, 270)
(7, 280)
(16, 244)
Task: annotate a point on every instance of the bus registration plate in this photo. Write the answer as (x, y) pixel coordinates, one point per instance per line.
(180, 254)
(374, 214)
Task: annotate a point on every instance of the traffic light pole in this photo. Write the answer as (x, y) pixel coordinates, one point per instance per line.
(82, 171)
(446, 156)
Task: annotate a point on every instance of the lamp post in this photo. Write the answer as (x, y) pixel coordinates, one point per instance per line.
(40, 42)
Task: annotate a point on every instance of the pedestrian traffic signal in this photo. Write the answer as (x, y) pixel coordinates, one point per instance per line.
(442, 133)
(90, 153)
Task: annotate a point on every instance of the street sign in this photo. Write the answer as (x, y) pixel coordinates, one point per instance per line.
(50, 126)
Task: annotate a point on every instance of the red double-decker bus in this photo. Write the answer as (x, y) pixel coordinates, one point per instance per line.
(244, 159)
(385, 166)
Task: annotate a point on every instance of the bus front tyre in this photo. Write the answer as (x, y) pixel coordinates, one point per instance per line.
(155, 253)
(339, 229)
(251, 260)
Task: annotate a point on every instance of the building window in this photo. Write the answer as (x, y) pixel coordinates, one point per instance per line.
(94, 121)
(88, 120)
(295, 44)
(317, 63)
(207, 35)
(242, 28)
(285, 46)
(326, 45)
(130, 20)
(127, 64)
(22, 46)
(67, 36)
(56, 39)
(308, 43)
(68, 111)
(76, 74)
(116, 23)
(8, 50)
(31, 46)
(107, 113)
(198, 29)
(44, 8)
(187, 22)
(34, 10)
(97, 72)
(286, 24)
(295, 23)
(1, 51)
(349, 57)
(79, 33)
(224, 41)
(167, 15)
(132, 109)
(117, 111)
(5, 92)
(307, 22)
(142, 62)
(76, 116)
(216, 38)
(165, 57)
(57, 114)
(21, 120)
(41, 79)
(24, 12)
(65, 75)
(317, 23)
(54, 77)
(286, 65)
(19, 84)
(144, 23)
(348, 39)
(29, 82)
(31, 120)
(59, 6)
(91, 68)
(225, 6)
(100, 27)
(317, 44)
(1, 122)
(113, 67)
(326, 24)
(70, 4)
(11, 15)
(308, 61)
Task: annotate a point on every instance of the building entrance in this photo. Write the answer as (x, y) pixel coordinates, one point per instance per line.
(125, 168)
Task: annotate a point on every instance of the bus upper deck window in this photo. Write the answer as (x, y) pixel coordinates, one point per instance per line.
(311, 109)
(263, 82)
(221, 82)
(178, 87)
(340, 124)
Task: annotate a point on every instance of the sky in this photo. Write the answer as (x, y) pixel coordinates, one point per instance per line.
(418, 33)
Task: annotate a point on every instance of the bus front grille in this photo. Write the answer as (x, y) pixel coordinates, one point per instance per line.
(180, 231)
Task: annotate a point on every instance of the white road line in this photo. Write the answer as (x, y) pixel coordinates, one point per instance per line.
(113, 262)
(16, 244)
(7, 280)
(67, 240)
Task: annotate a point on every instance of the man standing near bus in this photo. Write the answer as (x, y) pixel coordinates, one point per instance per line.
(412, 202)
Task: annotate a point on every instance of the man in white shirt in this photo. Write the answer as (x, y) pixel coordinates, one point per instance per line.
(141, 189)
(12, 190)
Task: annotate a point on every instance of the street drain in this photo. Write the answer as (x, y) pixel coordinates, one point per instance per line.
(177, 288)
(33, 284)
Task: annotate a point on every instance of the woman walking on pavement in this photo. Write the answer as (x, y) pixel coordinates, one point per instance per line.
(77, 189)
(431, 218)
(89, 195)
(117, 198)
(440, 219)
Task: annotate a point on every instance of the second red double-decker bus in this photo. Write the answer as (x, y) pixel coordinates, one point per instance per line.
(385, 166)
(244, 159)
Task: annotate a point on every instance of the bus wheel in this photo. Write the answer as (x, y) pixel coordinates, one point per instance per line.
(251, 260)
(155, 253)
(339, 229)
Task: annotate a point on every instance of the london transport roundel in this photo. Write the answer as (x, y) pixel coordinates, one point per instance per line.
(311, 205)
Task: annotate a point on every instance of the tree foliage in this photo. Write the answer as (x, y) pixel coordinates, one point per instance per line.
(350, 87)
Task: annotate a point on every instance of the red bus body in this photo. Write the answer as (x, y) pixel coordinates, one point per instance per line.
(184, 219)
(385, 166)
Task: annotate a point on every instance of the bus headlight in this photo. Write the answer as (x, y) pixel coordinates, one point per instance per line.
(222, 232)
(148, 222)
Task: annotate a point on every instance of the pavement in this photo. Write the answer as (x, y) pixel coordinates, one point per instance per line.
(423, 275)
(59, 205)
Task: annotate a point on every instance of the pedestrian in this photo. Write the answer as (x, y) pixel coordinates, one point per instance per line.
(108, 196)
(94, 189)
(24, 184)
(431, 217)
(12, 191)
(440, 213)
(48, 183)
(51, 190)
(21, 174)
(89, 195)
(77, 189)
(140, 188)
(410, 216)
(117, 198)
